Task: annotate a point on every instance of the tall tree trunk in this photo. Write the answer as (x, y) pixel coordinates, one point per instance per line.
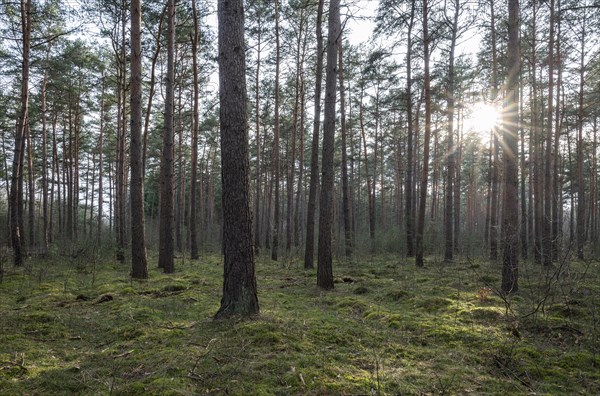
(17, 167)
(448, 213)
(370, 198)
(409, 213)
(277, 165)
(196, 121)
(314, 159)
(325, 265)
(510, 214)
(496, 147)
(292, 161)
(524, 217)
(548, 190)
(239, 284)
(257, 201)
(556, 181)
(299, 190)
(166, 248)
(139, 268)
(457, 180)
(581, 215)
(345, 193)
(101, 164)
(419, 261)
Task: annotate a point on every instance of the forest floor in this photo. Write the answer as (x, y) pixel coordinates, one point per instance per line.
(81, 326)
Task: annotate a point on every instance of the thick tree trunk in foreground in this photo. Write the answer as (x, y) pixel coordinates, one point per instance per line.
(139, 268)
(239, 283)
(325, 265)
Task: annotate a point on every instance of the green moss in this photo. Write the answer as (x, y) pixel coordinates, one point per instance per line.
(414, 331)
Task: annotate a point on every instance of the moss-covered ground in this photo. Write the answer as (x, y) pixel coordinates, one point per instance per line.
(83, 327)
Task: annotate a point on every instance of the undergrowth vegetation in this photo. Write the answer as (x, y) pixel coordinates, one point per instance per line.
(84, 327)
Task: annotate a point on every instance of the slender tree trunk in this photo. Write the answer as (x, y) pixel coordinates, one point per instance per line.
(17, 167)
(292, 161)
(277, 165)
(419, 260)
(457, 180)
(556, 189)
(370, 198)
(239, 284)
(196, 121)
(524, 222)
(314, 159)
(345, 193)
(257, 201)
(166, 248)
(101, 165)
(409, 213)
(496, 148)
(548, 190)
(450, 160)
(510, 214)
(325, 271)
(30, 188)
(581, 215)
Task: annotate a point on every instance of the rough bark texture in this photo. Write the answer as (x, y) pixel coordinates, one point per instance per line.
(325, 265)
(166, 248)
(139, 267)
(510, 214)
(239, 282)
(314, 158)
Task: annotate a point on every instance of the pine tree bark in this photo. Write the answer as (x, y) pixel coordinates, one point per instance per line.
(510, 214)
(277, 164)
(239, 284)
(325, 263)
(419, 259)
(450, 161)
(548, 189)
(496, 147)
(17, 166)
(196, 121)
(139, 267)
(166, 247)
(345, 193)
(314, 159)
(581, 215)
(409, 213)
